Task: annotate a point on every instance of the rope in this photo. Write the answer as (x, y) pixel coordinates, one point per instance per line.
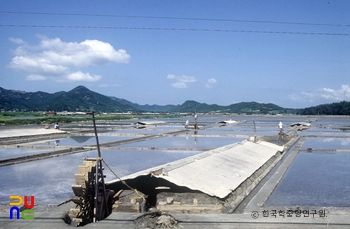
(65, 202)
(133, 189)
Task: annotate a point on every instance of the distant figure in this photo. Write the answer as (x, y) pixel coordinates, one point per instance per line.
(57, 142)
(280, 126)
(57, 127)
(186, 124)
(195, 122)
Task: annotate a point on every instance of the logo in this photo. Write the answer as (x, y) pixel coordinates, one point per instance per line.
(27, 213)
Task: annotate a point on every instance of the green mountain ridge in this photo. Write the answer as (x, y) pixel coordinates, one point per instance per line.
(148, 108)
(242, 107)
(83, 99)
(78, 99)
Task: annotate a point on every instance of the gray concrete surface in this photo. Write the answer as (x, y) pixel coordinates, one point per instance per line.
(52, 218)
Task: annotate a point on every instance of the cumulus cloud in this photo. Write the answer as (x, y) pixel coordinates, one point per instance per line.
(63, 61)
(181, 81)
(210, 83)
(324, 94)
(341, 94)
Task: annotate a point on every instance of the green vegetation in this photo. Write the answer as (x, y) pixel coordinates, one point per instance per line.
(238, 108)
(342, 108)
(25, 118)
(78, 99)
(82, 99)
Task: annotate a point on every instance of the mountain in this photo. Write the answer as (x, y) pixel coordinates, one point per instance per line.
(82, 99)
(20, 100)
(341, 108)
(147, 108)
(243, 107)
(193, 106)
(78, 99)
(262, 108)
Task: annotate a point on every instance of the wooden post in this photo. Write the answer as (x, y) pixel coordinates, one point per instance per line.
(98, 170)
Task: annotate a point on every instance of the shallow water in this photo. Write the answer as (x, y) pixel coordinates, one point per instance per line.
(312, 179)
(50, 180)
(327, 143)
(318, 178)
(16, 152)
(79, 140)
(186, 142)
(315, 179)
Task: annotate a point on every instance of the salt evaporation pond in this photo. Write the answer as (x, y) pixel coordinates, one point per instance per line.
(315, 179)
(327, 143)
(16, 152)
(186, 142)
(318, 178)
(50, 180)
(79, 140)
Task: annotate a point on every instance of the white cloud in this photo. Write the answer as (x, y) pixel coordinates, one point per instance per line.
(171, 76)
(179, 85)
(18, 41)
(323, 95)
(109, 85)
(342, 94)
(181, 81)
(210, 83)
(79, 76)
(39, 66)
(63, 61)
(35, 78)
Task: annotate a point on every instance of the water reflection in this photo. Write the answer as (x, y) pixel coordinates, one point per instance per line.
(190, 141)
(8, 153)
(315, 179)
(327, 143)
(80, 140)
(50, 180)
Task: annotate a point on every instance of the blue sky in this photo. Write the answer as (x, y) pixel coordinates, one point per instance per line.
(292, 53)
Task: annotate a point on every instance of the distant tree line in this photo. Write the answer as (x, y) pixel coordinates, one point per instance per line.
(341, 108)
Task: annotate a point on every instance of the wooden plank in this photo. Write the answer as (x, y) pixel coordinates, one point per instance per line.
(78, 190)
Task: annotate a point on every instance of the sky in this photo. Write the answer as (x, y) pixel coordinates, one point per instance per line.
(293, 53)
